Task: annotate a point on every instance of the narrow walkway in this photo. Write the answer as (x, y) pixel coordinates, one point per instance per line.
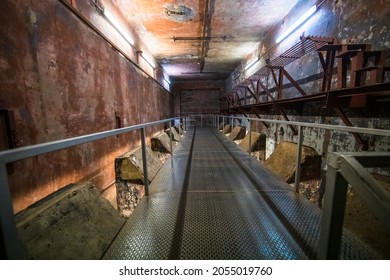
(214, 201)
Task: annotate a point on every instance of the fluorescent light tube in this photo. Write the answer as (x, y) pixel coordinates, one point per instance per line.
(118, 27)
(167, 80)
(301, 20)
(148, 60)
(251, 63)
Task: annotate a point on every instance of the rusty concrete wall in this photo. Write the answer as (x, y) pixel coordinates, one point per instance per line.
(62, 80)
(361, 21)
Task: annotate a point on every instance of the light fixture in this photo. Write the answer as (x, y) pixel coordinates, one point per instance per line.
(147, 59)
(251, 63)
(118, 26)
(167, 80)
(301, 20)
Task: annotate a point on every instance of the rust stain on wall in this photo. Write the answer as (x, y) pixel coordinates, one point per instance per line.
(62, 80)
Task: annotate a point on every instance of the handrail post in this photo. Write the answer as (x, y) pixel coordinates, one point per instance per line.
(218, 122)
(9, 234)
(299, 158)
(170, 136)
(223, 123)
(333, 215)
(250, 137)
(144, 161)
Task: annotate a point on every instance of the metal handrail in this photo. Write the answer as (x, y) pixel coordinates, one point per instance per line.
(8, 228)
(301, 125)
(344, 169)
(12, 246)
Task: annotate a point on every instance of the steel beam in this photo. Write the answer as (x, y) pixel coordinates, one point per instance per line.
(298, 159)
(145, 161)
(333, 215)
(9, 235)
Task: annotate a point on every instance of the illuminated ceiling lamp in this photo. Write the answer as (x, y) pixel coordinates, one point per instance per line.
(118, 27)
(167, 80)
(301, 20)
(147, 59)
(251, 63)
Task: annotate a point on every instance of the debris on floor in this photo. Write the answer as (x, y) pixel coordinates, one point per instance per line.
(282, 162)
(75, 222)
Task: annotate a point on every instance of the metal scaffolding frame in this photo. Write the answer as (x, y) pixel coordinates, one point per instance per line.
(356, 59)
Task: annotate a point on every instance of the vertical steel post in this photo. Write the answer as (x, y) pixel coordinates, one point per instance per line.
(218, 122)
(223, 123)
(170, 136)
(299, 157)
(8, 232)
(333, 215)
(250, 137)
(144, 161)
(180, 132)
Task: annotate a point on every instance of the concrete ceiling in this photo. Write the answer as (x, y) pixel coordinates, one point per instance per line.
(202, 39)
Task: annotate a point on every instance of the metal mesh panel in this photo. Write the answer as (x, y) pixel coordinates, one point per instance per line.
(213, 201)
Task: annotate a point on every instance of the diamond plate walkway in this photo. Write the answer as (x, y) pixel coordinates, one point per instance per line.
(212, 200)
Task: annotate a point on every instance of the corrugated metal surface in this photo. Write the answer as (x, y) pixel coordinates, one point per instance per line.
(213, 201)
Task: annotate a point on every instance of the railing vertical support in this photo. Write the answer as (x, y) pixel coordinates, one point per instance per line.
(250, 137)
(170, 136)
(8, 232)
(217, 122)
(144, 161)
(223, 123)
(299, 158)
(333, 215)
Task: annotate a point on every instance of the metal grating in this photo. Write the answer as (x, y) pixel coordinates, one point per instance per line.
(213, 201)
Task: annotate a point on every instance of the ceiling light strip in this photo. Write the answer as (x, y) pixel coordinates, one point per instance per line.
(301, 20)
(118, 27)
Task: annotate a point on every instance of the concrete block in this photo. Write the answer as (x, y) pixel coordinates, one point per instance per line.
(75, 222)
(237, 133)
(179, 130)
(129, 166)
(227, 129)
(129, 173)
(174, 134)
(160, 143)
(257, 142)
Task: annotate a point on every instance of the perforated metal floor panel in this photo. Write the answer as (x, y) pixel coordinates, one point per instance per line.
(211, 200)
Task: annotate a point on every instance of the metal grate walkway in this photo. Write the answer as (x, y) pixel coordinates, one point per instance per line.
(214, 201)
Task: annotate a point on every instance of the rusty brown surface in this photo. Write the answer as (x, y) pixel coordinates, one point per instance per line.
(62, 80)
(235, 28)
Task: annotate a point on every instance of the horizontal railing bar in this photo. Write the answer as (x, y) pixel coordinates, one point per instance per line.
(374, 131)
(43, 148)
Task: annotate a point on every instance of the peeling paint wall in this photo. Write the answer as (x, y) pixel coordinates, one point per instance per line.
(350, 21)
(62, 80)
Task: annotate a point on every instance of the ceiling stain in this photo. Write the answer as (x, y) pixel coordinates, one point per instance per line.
(179, 13)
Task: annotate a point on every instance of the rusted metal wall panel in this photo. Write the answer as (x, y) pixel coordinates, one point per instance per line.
(62, 80)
